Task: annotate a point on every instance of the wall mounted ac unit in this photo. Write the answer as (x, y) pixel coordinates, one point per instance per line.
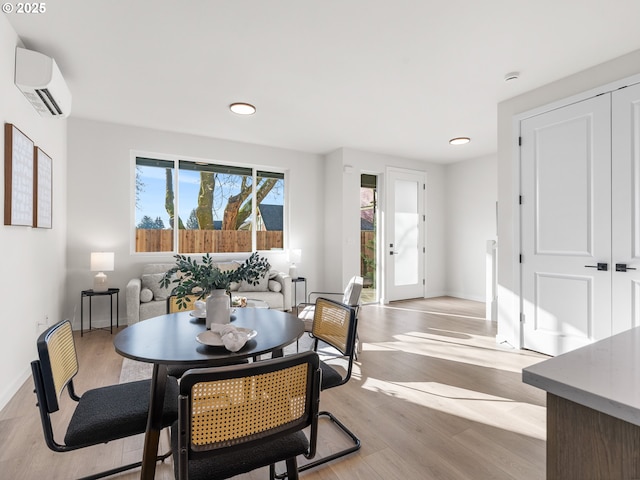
(40, 80)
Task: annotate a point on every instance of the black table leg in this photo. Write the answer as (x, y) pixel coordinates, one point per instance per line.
(154, 421)
(81, 314)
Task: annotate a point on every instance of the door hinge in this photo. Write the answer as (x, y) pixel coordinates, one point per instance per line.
(519, 141)
(521, 317)
(423, 282)
(520, 259)
(424, 218)
(520, 200)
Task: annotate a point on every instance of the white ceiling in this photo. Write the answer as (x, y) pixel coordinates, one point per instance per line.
(397, 77)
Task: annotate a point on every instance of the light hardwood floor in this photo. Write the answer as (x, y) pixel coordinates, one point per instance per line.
(432, 397)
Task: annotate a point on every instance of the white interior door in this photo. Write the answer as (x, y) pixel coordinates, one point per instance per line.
(405, 246)
(626, 208)
(566, 226)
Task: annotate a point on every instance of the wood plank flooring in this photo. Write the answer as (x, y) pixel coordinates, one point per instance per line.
(432, 397)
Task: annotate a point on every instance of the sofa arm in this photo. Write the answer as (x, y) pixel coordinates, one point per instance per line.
(133, 300)
(285, 280)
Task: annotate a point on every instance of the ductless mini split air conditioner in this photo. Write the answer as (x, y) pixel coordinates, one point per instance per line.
(40, 80)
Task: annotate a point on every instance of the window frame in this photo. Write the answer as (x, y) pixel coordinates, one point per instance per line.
(176, 159)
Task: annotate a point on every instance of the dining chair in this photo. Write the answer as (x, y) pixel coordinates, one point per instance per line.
(334, 324)
(350, 296)
(102, 414)
(234, 419)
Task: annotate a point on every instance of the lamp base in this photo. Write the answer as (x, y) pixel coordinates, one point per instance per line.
(100, 283)
(293, 271)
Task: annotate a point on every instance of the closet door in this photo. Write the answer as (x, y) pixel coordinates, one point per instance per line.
(626, 208)
(566, 226)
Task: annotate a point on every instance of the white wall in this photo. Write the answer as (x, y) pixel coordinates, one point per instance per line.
(100, 192)
(324, 215)
(470, 206)
(508, 271)
(33, 259)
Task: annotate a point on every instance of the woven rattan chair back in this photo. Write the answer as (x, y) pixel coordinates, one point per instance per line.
(228, 407)
(333, 324)
(59, 362)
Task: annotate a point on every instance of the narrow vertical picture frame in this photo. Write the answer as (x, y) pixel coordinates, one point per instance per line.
(43, 191)
(18, 177)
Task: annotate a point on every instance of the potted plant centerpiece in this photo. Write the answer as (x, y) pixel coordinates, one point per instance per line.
(205, 280)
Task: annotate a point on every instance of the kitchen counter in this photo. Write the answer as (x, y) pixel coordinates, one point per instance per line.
(593, 409)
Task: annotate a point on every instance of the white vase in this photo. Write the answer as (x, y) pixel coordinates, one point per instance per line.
(218, 308)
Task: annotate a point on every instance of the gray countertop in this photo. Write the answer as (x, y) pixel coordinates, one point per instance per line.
(604, 376)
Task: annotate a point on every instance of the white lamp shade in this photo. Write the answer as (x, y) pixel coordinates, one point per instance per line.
(102, 261)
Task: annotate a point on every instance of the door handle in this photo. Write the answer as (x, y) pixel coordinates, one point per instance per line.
(622, 267)
(393, 253)
(600, 266)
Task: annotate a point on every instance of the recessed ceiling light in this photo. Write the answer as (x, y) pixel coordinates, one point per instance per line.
(242, 108)
(459, 140)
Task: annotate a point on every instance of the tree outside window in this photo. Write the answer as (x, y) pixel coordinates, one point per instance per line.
(217, 208)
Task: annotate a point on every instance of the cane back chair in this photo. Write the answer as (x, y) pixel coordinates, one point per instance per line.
(102, 414)
(350, 296)
(237, 418)
(334, 324)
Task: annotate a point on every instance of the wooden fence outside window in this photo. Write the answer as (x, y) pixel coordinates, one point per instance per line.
(202, 241)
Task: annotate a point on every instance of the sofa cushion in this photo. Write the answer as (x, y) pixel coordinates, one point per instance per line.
(152, 282)
(228, 266)
(261, 286)
(153, 309)
(146, 295)
(275, 286)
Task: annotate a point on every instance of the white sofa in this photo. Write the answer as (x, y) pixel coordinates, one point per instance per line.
(146, 298)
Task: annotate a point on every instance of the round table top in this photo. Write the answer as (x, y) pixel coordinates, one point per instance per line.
(171, 339)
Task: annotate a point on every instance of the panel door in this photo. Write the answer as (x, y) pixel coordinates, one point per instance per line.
(566, 226)
(626, 208)
(405, 235)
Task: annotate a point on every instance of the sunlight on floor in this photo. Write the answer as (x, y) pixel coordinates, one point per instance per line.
(504, 413)
(430, 312)
(475, 350)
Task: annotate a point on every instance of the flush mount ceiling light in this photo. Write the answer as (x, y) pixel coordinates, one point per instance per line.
(459, 140)
(242, 108)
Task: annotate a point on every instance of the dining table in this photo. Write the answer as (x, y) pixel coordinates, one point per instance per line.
(176, 339)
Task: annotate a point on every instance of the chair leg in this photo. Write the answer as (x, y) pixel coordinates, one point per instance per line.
(320, 461)
(292, 468)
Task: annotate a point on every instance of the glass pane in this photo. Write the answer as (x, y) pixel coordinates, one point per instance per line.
(154, 186)
(368, 206)
(406, 232)
(270, 214)
(215, 208)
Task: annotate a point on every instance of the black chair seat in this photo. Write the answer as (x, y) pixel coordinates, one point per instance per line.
(118, 411)
(330, 376)
(240, 460)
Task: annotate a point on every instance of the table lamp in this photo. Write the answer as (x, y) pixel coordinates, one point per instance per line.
(101, 262)
(295, 256)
